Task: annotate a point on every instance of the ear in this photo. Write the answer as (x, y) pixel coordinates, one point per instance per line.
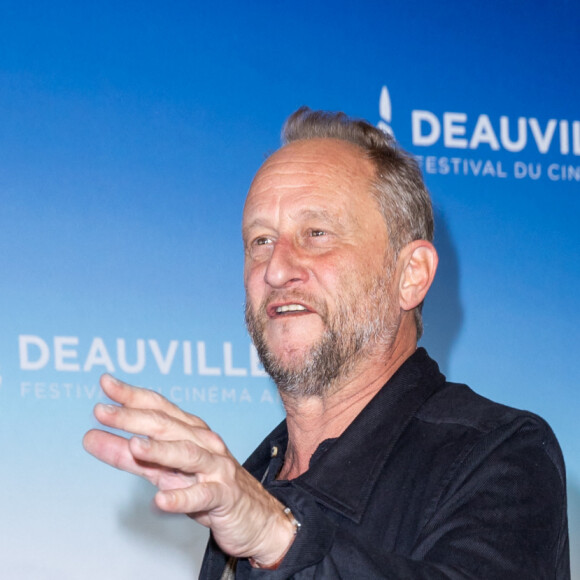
(418, 263)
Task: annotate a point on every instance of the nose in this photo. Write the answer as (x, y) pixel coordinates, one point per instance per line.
(285, 267)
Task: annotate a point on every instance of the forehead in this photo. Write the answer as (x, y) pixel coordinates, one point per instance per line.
(323, 173)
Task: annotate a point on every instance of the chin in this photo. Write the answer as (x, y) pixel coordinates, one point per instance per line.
(289, 356)
(296, 334)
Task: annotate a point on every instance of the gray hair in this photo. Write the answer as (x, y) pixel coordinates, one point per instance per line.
(397, 186)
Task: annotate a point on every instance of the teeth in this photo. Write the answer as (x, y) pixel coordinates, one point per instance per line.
(290, 308)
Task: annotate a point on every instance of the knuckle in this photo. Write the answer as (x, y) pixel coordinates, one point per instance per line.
(193, 452)
(230, 468)
(195, 499)
(157, 399)
(160, 423)
(215, 443)
(204, 493)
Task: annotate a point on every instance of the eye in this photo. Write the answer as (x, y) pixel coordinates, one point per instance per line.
(317, 233)
(260, 247)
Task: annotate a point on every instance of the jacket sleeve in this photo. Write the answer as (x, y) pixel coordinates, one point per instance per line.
(499, 513)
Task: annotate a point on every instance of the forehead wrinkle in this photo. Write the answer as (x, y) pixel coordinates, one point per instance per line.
(298, 169)
(298, 176)
(298, 215)
(259, 221)
(304, 181)
(321, 214)
(342, 156)
(314, 161)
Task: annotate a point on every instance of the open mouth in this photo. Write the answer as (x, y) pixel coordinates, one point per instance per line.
(287, 310)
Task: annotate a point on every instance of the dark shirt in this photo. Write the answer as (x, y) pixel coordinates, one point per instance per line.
(429, 481)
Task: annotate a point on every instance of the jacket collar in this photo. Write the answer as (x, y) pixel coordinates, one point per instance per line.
(357, 457)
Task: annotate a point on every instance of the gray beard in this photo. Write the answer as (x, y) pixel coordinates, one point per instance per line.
(349, 337)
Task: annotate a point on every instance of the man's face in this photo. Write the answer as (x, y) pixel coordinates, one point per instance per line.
(319, 294)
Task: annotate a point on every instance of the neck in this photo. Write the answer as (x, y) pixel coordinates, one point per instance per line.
(311, 420)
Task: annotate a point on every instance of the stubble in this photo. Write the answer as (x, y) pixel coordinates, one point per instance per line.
(365, 321)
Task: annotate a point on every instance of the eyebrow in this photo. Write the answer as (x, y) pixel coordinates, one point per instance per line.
(308, 214)
(328, 218)
(318, 214)
(256, 222)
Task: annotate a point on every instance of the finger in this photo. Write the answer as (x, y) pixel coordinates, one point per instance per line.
(195, 499)
(141, 421)
(156, 425)
(185, 456)
(115, 451)
(139, 398)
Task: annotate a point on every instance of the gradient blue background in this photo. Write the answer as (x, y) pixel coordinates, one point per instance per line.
(129, 134)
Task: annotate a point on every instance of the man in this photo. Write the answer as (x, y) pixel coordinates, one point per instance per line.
(381, 469)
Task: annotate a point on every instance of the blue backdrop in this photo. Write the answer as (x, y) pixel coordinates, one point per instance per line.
(129, 133)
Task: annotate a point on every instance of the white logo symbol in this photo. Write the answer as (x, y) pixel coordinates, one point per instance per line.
(385, 112)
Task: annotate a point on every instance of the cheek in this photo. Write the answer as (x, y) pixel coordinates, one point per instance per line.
(344, 271)
(363, 278)
(254, 283)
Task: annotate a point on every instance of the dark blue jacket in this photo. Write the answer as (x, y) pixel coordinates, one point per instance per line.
(429, 481)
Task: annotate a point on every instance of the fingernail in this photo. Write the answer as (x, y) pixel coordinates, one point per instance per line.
(112, 378)
(168, 496)
(143, 442)
(110, 409)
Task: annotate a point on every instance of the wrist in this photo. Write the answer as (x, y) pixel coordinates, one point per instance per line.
(291, 524)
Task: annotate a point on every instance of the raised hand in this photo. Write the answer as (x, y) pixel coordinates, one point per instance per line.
(193, 469)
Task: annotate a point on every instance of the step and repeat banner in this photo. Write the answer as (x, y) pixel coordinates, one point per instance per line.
(129, 134)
